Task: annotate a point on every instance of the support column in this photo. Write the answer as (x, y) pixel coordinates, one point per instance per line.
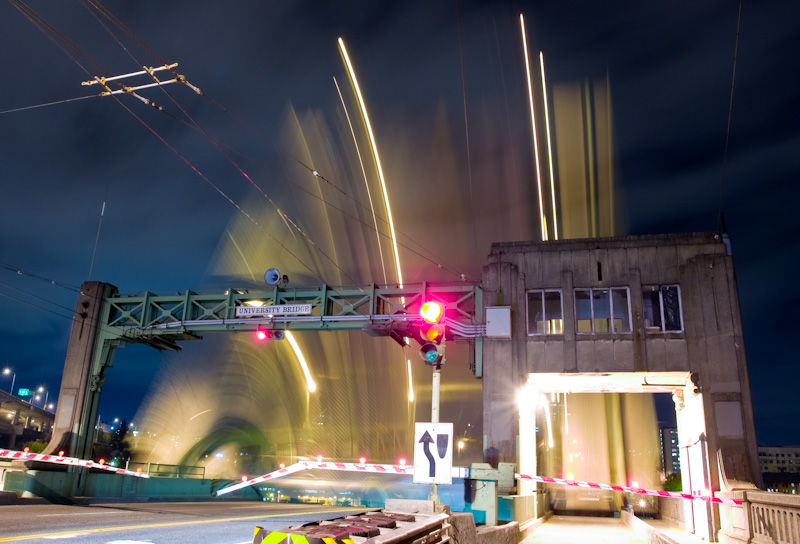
(84, 370)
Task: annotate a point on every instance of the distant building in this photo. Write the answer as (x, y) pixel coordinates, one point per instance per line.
(779, 459)
(782, 482)
(670, 451)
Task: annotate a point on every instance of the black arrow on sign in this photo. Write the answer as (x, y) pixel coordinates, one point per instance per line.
(426, 441)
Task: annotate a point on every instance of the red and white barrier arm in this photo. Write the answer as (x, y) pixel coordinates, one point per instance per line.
(61, 460)
(291, 469)
(653, 492)
(360, 467)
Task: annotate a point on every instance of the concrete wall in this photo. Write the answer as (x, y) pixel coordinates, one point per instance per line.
(56, 484)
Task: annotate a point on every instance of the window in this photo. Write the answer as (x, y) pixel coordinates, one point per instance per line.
(602, 310)
(545, 312)
(662, 308)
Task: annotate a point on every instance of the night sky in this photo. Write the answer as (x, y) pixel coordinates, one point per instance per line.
(670, 66)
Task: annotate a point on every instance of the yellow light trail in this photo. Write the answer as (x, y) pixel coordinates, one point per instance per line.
(310, 385)
(549, 148)
(377, 157)
(533, 128)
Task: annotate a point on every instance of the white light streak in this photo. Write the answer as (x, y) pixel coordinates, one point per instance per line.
(310, 385)
(194, 416)
(410, 383)
(366, 182)
(533, 129)
(377, 158)
(549, 148)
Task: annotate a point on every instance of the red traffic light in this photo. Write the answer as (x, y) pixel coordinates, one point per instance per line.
(431, 311)
(266, 334)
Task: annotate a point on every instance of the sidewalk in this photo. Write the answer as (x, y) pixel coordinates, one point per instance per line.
(583, 529)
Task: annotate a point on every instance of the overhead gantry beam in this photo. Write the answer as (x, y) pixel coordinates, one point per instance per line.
(104, 319)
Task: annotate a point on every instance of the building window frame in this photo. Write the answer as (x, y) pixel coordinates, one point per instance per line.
(551, 325)
(648, 309)
(593, 293)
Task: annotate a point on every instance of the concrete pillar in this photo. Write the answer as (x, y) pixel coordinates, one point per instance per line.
(84, 368)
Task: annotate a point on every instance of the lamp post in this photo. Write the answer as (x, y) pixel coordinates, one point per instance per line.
(6, 372)
(46, 395)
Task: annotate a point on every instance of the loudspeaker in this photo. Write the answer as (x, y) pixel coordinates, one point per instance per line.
(272, 276)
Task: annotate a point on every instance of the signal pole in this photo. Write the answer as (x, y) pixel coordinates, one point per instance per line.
(437, 379)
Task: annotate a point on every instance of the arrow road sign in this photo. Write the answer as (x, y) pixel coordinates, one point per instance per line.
(433, 453)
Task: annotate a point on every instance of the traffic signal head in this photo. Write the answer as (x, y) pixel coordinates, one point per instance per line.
(431, 311)
(431, 353)
(264, 334)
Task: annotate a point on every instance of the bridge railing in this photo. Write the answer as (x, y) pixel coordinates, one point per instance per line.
(768, 518)
(169, 471)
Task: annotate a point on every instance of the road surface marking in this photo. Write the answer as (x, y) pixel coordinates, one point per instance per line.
(68, 534)
(86, 513)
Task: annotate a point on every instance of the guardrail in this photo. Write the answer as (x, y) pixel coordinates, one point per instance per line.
(763, 518)
(158, 470)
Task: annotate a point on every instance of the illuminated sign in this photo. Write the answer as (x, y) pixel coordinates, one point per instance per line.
(279, 309)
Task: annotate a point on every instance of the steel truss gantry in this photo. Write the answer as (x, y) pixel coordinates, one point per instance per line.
(162, 321)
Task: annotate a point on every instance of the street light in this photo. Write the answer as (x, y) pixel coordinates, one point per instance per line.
(46, 395)
(6, 372)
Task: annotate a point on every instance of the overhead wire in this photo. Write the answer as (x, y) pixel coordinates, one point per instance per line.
(59, 38)
(48, 104)
(117, 22)
(97, 5)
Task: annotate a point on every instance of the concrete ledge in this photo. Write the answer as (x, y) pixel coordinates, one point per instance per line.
(644, 530)
(463, 528)
(499, 534)
(528, 527)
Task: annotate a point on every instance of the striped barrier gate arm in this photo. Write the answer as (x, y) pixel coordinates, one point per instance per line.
(291, 469)
(625, 489)
(61, 460)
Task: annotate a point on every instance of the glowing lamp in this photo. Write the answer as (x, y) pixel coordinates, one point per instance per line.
(319, 458)
(101, 462)
(61, 453)
(362, 460)
(26, 449)
(570, 476)
(431, 311)
(282, 465)
(635, 483)
(402, 461)
(261, 335)
(244, 477)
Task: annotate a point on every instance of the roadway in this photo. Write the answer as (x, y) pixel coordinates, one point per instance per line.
(156, 523)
